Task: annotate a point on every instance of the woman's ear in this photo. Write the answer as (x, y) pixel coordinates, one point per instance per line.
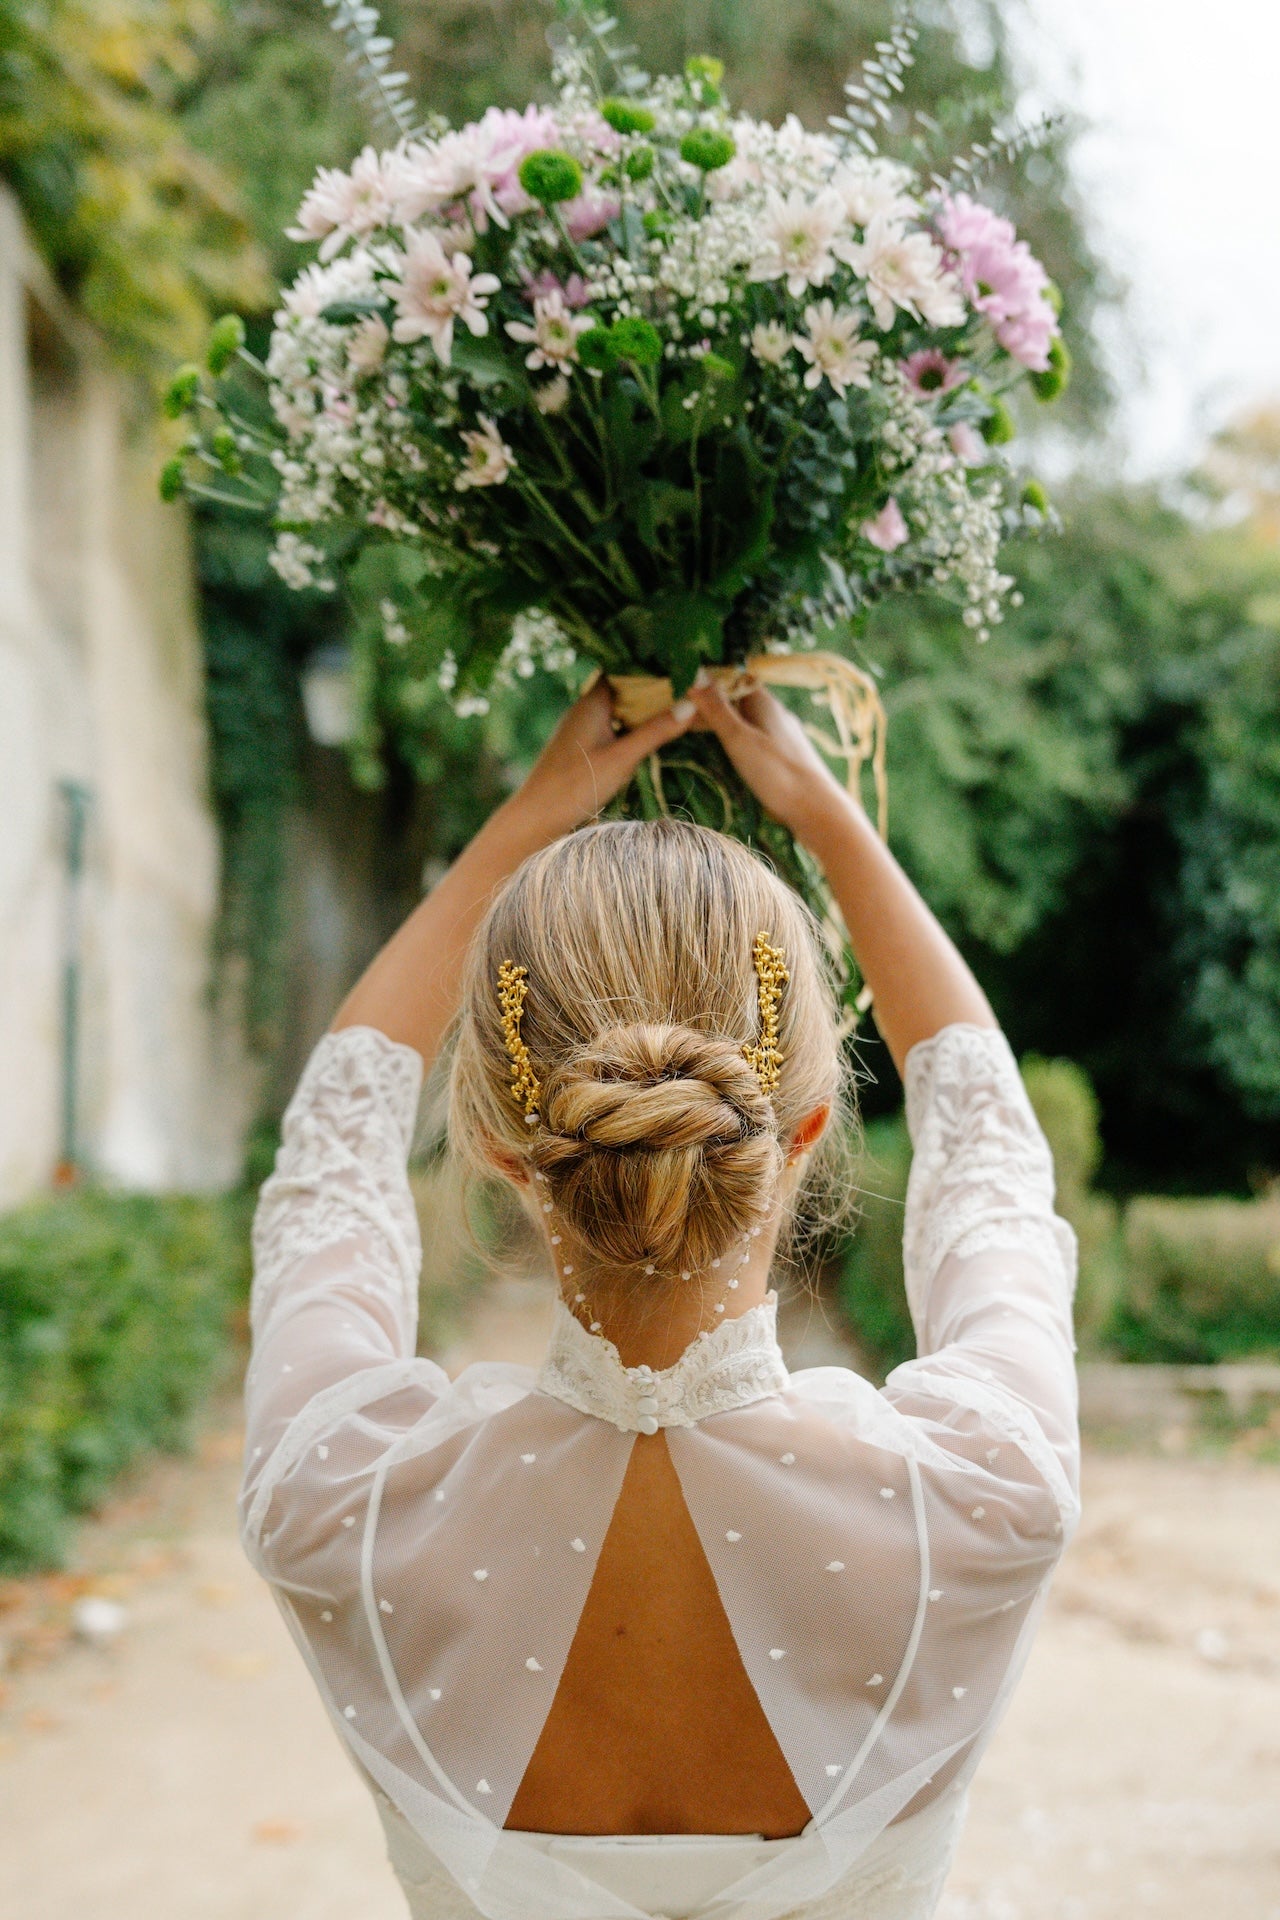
(809, 1132)
(508, 1164)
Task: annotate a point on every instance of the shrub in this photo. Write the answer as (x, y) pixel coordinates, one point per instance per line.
(1067, 1109)
(1203, 1280)
(114, 1317)
(870, 1283)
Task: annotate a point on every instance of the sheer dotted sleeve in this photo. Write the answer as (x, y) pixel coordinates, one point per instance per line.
(334, 1306)
(990, 1267)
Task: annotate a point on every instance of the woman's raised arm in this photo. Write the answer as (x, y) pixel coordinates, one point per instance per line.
(410, 990)
(919, 980)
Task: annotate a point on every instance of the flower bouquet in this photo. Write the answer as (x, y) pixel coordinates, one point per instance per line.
(636, 381)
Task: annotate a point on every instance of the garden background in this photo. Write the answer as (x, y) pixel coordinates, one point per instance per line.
(221, 832)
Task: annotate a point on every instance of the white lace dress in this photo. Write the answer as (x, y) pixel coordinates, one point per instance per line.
(882, 1555)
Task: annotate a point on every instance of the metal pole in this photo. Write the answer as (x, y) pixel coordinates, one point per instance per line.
(77, 800)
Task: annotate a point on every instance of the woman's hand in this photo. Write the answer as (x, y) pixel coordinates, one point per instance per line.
(775, 757)
(585, 763)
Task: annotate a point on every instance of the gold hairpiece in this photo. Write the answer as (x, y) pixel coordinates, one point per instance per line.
(765, 1056)
(513, 988)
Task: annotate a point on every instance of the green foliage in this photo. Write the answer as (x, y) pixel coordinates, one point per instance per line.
(142, 232)
(1092, 803)
(114, 1313)
(1203, 1280)
(1067, 1109)
(869, 1282)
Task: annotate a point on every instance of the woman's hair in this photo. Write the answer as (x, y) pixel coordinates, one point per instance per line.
(654, 1138)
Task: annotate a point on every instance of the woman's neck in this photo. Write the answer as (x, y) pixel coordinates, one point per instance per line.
(656, 1330)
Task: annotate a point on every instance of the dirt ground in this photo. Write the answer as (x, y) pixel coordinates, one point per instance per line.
(186, 1772)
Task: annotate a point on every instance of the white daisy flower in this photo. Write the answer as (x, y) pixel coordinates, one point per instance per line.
(340, 205)
(553, 337)
(833, 349)
(488, 458)
(904, 270)
(367, 344)
(796, 240)
(874, 189)
(435, 290)
(771, 342)
(553, 395)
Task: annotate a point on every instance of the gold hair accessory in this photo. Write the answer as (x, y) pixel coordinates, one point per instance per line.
(765, 1056)
(513, 988)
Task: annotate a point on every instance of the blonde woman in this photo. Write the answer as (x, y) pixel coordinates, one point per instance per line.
(660, 1629)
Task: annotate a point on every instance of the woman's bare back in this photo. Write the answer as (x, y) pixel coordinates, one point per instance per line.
(656, 1727)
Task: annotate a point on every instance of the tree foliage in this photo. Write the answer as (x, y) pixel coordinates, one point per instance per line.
(144, 233)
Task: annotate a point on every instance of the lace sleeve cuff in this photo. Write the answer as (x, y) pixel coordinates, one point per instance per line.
(982, 1174)
(340, 1174)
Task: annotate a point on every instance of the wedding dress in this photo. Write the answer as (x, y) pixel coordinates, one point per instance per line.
(882, 1555)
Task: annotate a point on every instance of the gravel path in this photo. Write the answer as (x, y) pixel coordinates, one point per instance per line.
(187, 1772)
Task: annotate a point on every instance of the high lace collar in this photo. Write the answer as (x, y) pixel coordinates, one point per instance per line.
(729, 1365)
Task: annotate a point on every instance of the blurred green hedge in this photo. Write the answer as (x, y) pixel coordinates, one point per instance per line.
(1202, 1280)
(115, 1315)
(1166, 1280)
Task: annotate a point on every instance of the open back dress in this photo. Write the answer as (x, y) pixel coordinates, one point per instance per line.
(881, 1554)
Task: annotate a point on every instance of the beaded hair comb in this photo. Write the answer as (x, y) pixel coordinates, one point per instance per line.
(764, 1055)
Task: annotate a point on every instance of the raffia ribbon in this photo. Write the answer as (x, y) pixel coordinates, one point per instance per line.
(857, 734)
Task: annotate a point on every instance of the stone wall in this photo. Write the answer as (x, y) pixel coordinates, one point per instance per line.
(100, 685)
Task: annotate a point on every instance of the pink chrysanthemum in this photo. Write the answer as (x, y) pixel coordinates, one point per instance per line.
(1002, 278)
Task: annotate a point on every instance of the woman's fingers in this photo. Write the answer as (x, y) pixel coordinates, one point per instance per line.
(625, 753)
(739, 737)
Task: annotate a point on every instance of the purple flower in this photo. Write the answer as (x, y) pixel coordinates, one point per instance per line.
(1002, 278)
(929, 371)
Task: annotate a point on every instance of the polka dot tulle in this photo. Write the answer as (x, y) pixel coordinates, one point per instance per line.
(878, 1553)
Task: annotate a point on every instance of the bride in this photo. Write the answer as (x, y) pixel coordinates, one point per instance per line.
(661, 1629)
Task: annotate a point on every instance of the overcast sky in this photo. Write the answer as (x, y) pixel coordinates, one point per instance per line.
(1182, 172)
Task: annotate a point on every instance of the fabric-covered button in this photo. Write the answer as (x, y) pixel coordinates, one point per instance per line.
(647, 1403)
(648, 1424)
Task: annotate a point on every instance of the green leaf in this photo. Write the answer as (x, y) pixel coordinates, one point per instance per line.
(657, 504)
(688, 629)
(485, 362)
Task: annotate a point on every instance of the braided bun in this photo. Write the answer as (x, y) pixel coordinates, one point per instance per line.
(658, 1146)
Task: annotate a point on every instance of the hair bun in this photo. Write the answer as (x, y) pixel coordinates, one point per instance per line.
(659, 1144)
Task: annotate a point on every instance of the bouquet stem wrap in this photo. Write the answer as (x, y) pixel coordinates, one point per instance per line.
(849, 695)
